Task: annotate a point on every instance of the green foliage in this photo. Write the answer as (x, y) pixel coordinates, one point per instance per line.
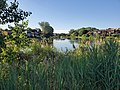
(43, 24)
(3, 4)
(2, 41)
(115, 35)
(46, 29)
(71, 31)
(97, 68)
(12, 13)
(15, 43)
(2, 44)
(8, 54)
(18, 37)
(43, 52)
(81, 31)
(91, 38)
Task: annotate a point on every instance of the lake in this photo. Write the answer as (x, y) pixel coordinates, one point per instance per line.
(66, 44)
(61, 45)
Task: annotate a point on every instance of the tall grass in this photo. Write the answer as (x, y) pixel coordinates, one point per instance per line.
(97, 68)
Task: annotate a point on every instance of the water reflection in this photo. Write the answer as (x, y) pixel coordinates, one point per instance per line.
(65, 45)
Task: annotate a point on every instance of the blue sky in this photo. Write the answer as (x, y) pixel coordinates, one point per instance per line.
(64, 15)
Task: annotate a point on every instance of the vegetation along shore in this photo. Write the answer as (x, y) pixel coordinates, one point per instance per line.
(29, 61)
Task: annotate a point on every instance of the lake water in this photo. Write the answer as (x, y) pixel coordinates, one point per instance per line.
(64, 45)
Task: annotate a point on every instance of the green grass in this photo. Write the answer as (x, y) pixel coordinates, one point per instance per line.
(95, 68)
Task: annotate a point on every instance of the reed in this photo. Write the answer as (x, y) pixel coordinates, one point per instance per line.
(98, 68)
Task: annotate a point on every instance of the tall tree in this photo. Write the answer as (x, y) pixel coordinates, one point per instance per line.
(12, 13)
(3, 4)
(71, 31)
(46, 29)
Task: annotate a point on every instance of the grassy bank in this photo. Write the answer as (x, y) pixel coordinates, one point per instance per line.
(91, 68)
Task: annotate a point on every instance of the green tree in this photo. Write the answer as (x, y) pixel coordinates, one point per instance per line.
(81, 31)
(2, 43)
(11, 13)
(47, 30)
(15, 42)
(18, 37)
(3, 4)
(71, 31)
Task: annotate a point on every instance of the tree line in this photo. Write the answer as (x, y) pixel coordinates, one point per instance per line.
(81, 31)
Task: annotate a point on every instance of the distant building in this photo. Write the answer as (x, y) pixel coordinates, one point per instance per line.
(105, 32)
(33, 33)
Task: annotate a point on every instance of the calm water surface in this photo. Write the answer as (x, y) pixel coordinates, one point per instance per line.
(64, 45)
